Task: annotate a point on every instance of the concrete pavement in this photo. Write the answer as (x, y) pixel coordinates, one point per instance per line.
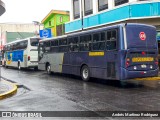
(8, 89)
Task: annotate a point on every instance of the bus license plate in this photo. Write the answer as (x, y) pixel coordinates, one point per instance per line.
(143, 66)
(142, 59)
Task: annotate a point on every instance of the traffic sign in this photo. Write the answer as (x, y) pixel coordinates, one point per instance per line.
(46, 33)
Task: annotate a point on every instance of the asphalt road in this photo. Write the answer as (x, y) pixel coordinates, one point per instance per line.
(41, 92)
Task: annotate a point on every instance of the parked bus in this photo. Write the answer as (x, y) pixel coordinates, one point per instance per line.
(118, 52)
(22, 53)
(158, 40)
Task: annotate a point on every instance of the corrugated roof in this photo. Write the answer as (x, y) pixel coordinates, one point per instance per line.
(11, 36)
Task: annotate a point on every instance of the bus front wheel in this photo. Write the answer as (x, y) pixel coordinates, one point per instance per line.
(85, 74)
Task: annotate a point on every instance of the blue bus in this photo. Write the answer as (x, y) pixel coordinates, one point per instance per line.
(118, 52)
(158, 40)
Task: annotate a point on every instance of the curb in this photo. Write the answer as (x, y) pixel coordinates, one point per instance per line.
(148, 78)
(10, 92)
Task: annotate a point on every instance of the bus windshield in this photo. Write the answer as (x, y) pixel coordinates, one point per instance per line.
(141, 36)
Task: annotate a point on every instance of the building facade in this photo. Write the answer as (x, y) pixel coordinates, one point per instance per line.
(55, 21)
(12, 31)
(87, 14)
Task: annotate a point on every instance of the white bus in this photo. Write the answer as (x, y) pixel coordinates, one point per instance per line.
(22, 53)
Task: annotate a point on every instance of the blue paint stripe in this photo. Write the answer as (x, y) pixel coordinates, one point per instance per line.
(126, 12)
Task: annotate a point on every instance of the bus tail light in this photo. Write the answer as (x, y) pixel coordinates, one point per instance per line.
(28, 58)
(143, 53)
(156, 61)
(127, 62)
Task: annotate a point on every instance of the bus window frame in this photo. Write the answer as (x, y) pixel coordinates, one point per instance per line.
(99, 41)
(70, 44)
(61, 46)
(116, 40)
(55, 46)
(88, 43)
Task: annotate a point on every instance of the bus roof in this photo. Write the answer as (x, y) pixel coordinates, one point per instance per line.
(20, 40)
(95, 30)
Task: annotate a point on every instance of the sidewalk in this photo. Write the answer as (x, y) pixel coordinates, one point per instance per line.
(7, 89)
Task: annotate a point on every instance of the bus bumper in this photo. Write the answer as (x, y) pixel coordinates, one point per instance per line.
(140, 74)
(32, 64)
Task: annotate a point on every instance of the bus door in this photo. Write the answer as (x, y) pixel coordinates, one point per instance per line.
(33, 55)
(42, 56)
(112, 53)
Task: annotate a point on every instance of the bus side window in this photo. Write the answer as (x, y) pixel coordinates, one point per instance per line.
(18, 46)
(85, 43)
(63, 46)
(25, 44)
(111, 43)
(54, 46)
(98, 41)
(73, 44)
(47, 46)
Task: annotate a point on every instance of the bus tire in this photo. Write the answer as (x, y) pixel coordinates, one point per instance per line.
(35, 68)
(85, 73)
(5, 65)
(48, 69)
(19, 66)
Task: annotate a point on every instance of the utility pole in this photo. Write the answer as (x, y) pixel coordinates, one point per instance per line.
(82, 13)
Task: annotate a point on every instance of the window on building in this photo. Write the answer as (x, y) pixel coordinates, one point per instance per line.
(76, 9)
(102, 5)
(61, 19)
(120, 2)
(50, 23)
(88, 7)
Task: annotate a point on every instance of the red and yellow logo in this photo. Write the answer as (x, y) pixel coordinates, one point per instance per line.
(142, 35)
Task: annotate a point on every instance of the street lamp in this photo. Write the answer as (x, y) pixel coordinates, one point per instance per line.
(37, 23)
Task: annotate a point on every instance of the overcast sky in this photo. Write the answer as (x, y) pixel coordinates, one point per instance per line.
(26, 11)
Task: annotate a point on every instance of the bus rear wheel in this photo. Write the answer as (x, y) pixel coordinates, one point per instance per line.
(48, 69)
(36, 68)
(85, 73)
(19, 66)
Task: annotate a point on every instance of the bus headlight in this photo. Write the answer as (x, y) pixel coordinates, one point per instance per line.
(151, 67)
